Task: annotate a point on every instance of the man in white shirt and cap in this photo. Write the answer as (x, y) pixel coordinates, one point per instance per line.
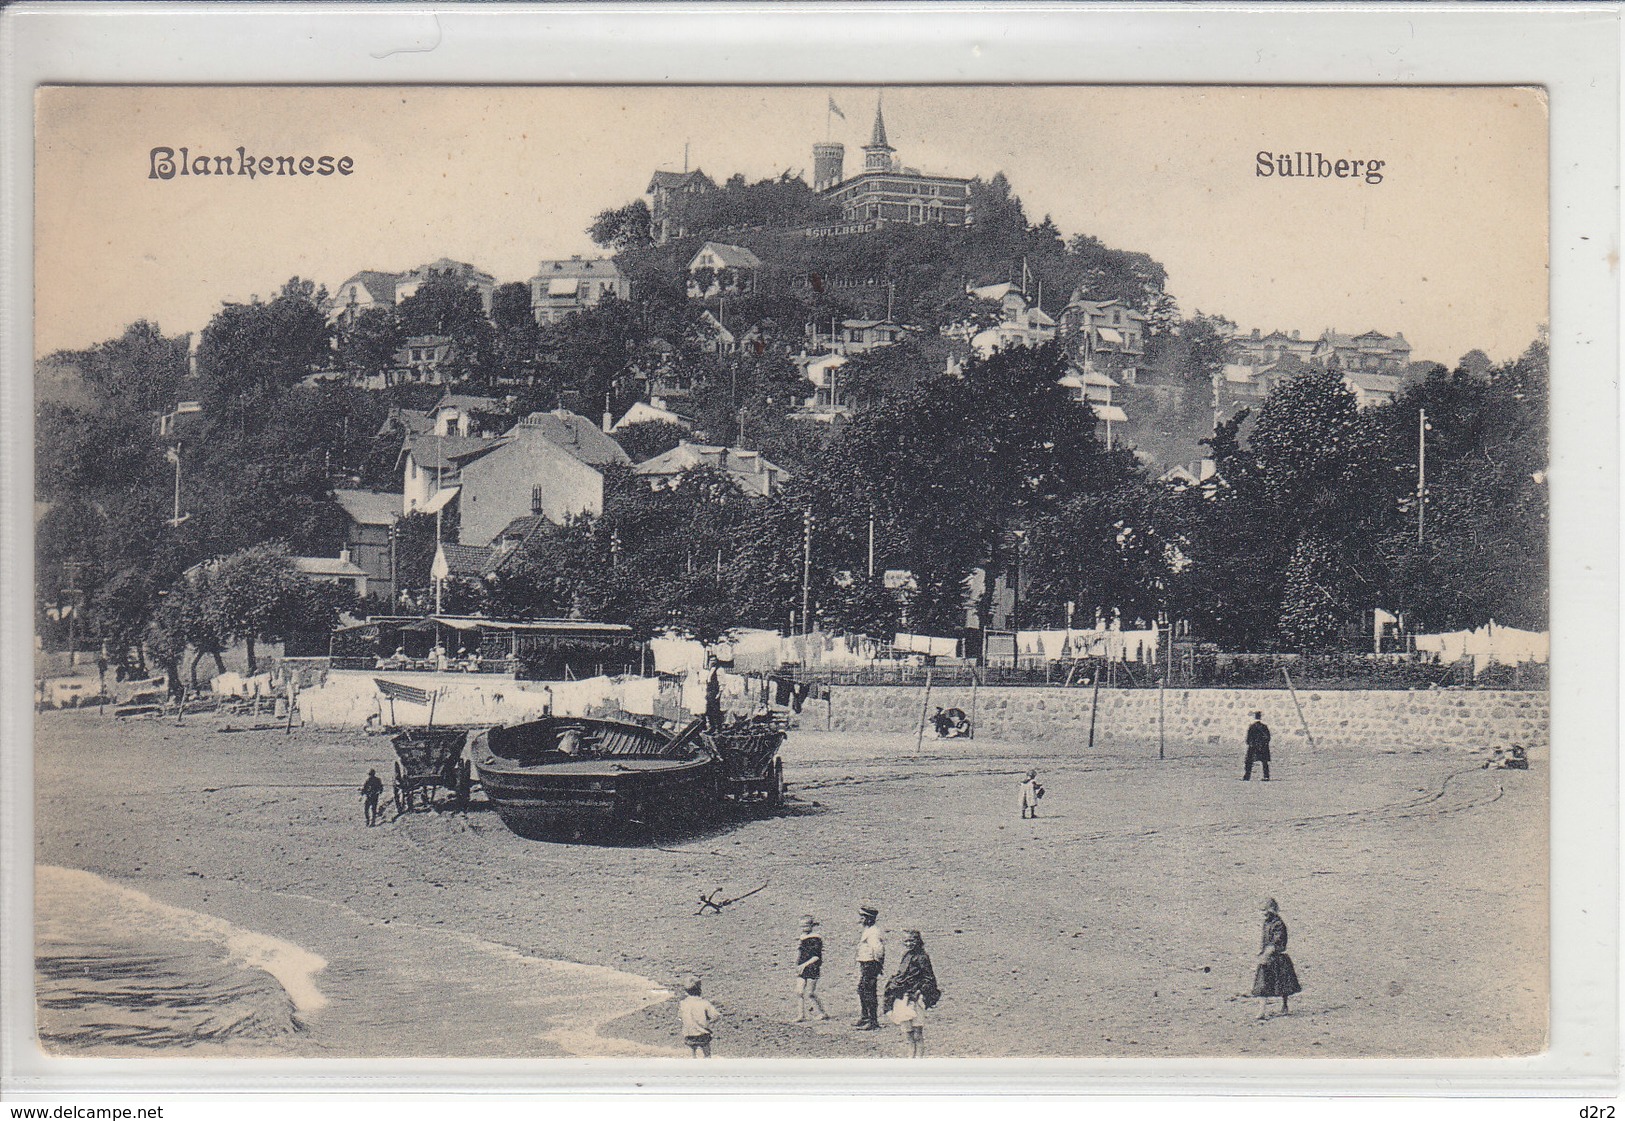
(871, 961)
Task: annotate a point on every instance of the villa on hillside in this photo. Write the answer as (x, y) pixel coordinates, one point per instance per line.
(830, 401)
(562, 288)
(372, 288)
(549, 465)
(885, 190)
(1022, 322)
(670, 193)
(722, 269)
(1108, 335)
(751, 471)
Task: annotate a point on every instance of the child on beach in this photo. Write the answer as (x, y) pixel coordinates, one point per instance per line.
(1275, 975)
(697, 1015)
(809, 966)
(1031, 792)
(913, 989)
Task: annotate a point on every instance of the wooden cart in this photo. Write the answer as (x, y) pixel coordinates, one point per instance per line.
(426, 760)
(753, 773)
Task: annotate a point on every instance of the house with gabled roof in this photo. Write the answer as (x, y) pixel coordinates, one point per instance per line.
(564, 287)
(670, 192)
(830, 400)
(340, 570)
(360, 291)
(717, 268)
(751, 471)
(369, 529)
(1107, 335)
(376, 288)
(549, 465)
(1371, 389)
(1022, 321)
(476, 278)
(646, 412)
(1257, 349)
(1373, 352)
(458, 414)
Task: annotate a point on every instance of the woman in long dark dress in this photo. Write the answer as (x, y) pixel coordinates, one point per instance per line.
(913, 989)
(1275, 975)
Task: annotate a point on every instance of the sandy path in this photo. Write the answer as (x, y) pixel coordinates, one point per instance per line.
(1120, 923)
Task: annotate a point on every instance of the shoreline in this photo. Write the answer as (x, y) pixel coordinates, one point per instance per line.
(1117, 924)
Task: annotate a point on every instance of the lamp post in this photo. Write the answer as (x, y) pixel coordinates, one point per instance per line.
(174, 456)
(1422, 429)
(806, 569)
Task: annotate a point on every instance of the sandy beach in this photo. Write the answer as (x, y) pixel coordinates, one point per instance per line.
(1122, 922)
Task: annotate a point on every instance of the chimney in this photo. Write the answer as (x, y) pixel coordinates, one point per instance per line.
(1255, 332)
(344, 555)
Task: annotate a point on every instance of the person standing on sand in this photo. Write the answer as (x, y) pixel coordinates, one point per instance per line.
(809, 967)
(871, 960)
(913, 989)
(1275, 975)
(1031, 792)
(370, 790)
(1258, 747)
(697, 1015)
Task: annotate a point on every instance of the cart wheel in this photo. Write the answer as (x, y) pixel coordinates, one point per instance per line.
(775, 797)
(401, 797)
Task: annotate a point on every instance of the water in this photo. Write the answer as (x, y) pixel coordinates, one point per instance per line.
(120, 973)
(117, 969)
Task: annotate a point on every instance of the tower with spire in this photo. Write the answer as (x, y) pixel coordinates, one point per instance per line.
(878, 154)
(886, 191)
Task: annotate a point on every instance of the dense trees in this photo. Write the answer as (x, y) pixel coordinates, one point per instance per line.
(952, 480)
(251, 351)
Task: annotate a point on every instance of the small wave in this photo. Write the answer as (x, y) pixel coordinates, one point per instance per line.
(117, 968)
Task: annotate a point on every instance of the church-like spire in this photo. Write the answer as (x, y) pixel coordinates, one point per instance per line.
(878, 138)
(877, 154)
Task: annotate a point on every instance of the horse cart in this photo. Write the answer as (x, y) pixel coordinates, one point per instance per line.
(752, 772)
(427, 760)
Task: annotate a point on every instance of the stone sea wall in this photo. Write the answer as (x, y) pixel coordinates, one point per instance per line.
(1205, 718)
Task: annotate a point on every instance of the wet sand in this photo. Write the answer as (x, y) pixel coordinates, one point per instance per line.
(1121, 922)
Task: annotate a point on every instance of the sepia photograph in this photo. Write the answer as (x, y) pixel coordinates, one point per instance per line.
(791, 572)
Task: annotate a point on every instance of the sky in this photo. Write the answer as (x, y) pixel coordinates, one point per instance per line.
(1450, 248)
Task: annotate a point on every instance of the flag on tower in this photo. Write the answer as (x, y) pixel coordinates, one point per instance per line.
(836, 109)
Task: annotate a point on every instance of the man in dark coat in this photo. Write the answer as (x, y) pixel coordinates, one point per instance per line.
(370, 790)
(1258, 747)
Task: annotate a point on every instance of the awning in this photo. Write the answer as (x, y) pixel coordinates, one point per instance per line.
(1110, 335)
(441, 498)
(1111, 413)
(457, 624)
(563, 287)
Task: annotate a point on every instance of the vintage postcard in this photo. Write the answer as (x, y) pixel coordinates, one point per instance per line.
(833, 572)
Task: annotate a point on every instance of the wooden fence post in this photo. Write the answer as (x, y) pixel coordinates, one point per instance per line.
(1094, 707)
(975, 713)
(1162, 720)
(1306, 732)
(919, 740)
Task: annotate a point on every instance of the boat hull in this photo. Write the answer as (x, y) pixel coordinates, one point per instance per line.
(639, 791)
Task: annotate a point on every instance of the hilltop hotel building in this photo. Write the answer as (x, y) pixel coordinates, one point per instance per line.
(886, 191)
